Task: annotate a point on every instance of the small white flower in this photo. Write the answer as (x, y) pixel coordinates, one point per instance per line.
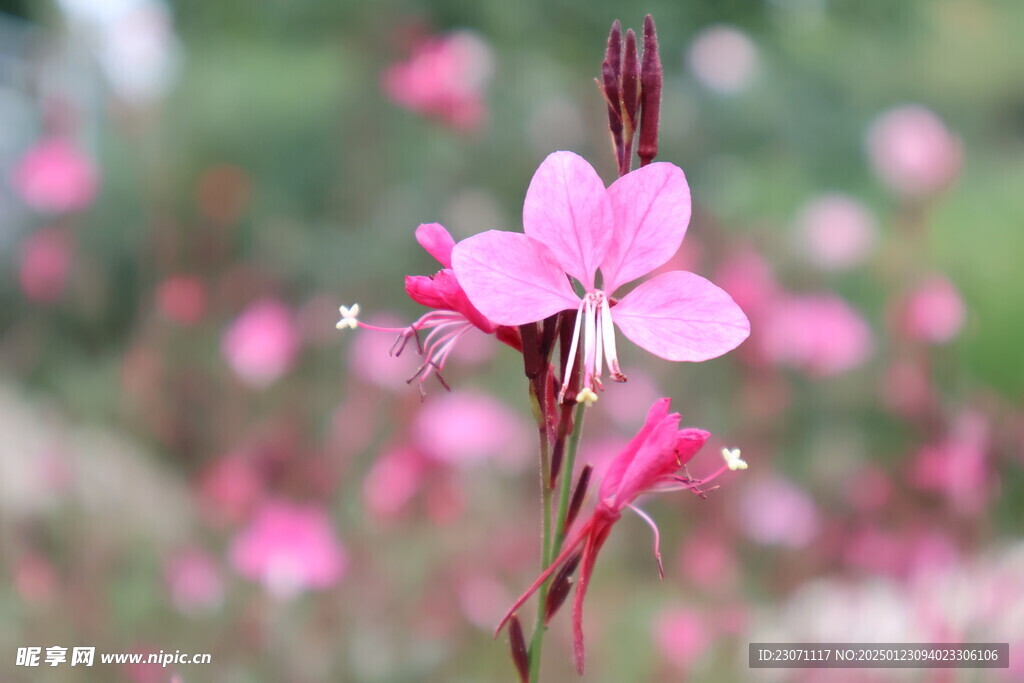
(733, 459)
(348, 317)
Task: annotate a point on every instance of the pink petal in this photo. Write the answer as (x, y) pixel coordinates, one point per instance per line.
(512, 278)
(437, 242)
(613, 476)
(651, 206)
(681, 316)
(655, 460)
(567, 208)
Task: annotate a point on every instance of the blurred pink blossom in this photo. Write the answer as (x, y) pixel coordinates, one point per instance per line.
(749, 280)
(466, 427)
(957, 466)
(194, 581)
(444, 78)
(724, 59)
(708, 561)
(775, 511)
(230, 487)
(46, 258)
(289, 548)
(934, 311)
(817, 333)
(396, 476)
(261, 343)
(182, 299)
(56, 177)
(681, 636)
(836, 231)
(34, 578)
(912, 151)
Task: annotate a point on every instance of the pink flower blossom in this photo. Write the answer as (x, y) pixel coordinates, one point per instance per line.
(453, 315)
(776, 511)
(393, 480)
(837, 231)
(261, 344)
(934, 311)
(681, 636)
(649, 463)
(957, 465)
(444, 78)
(289, 548)
(230, 487)
(194, 581)
(912, 151)
(574, 226)
(56, 177)
(46, 258)
(466, 427)
(182, 298)
(724, 59)
(817, 333)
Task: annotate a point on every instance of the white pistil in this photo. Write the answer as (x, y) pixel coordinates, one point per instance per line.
(733, 459)
(608, 332)
(349, 317)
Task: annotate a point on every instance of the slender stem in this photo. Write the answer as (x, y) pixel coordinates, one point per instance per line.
(545, 540)
(565, 494)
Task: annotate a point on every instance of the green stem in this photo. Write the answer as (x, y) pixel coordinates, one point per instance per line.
(545, 539)
(552, 543)
(565, 494)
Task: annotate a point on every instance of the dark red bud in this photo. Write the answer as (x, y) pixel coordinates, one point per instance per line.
(630, 76)
(518, 644)
(576, 502)
(651, 79)
(561, 586)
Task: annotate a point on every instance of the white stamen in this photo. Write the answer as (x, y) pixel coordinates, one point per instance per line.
(586, 396)
(733, 459)
(349, 317)
(572, 352)
(608, 331)
(589, 342)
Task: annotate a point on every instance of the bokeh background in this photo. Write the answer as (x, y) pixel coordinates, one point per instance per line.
(192, 458)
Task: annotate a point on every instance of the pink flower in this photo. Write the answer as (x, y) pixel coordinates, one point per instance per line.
(46, 258)
(776, 511)
(289, 548)
(649, 463)
(912, 151)
(466, 427)
(724, 59)
(453, 315)
(194, 581)
(681, 636)
(261, 343)
(837, 231)
(444, 78)
(817, 333)
(934, 311)
(574, 226)
(957, 465)
(182, 298)
(56, 177)
(396, 476)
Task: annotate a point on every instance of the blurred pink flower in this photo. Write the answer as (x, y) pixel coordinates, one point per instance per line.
(912, 151)
(182, 298)
(817, 333)
(836, 231)
(724, 59)
(444, 78)
(393, 480)
(289, 548)
(957, 466)
(34, 578)
(194, 581)
(775, 511)
(681, 636)
(574, 226)
(261, 343)
(230, 487)
(370, 360)
(649, 463)
(466, 427)
(934, 311)
(708, 560)
(749, 280)
(46, 258)
(56, 177)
